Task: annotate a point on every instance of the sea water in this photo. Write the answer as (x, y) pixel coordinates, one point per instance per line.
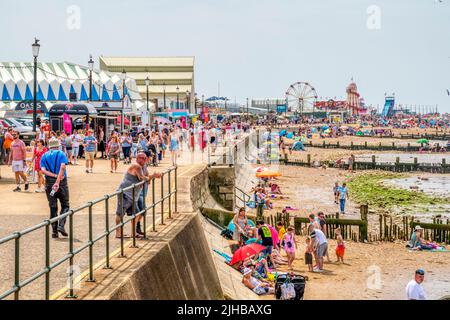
(436, 185)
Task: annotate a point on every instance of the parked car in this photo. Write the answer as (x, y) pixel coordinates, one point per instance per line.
(26, 132)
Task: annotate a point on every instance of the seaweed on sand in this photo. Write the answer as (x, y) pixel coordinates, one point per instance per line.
(368, 188)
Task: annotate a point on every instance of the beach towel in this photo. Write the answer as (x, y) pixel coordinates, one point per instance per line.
(224, 255)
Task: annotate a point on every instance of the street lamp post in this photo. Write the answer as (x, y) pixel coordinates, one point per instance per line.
(35, 48)
(91, 68)
(164, 94)
(178, 98)
(188, 96)
(247, 110)
(147, 84)
(203, 101)
(122, 120)
(195, 102)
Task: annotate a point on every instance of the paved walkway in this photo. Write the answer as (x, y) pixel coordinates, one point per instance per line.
(25, 209)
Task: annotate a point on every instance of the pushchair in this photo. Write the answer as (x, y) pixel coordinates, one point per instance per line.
(297, 280)
(154, 154)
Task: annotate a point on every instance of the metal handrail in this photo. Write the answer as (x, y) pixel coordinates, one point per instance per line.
(69, 256)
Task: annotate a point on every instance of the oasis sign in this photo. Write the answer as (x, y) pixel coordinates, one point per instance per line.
(28, 106)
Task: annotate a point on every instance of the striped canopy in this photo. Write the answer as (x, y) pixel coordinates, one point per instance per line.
(57, 80)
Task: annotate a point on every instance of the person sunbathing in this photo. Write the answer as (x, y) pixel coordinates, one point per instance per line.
(257, 286)
(275, 188)
(278, 258)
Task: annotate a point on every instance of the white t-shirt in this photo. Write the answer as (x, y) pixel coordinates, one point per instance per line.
(76, 140)
(414, 291)
(320, 236)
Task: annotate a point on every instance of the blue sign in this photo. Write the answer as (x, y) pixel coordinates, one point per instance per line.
(281, 108)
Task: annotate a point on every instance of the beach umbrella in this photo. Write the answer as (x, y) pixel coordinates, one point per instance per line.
(282, 132)
(422, 141)
(290, 135)
(245, 252)
(313, 130)
(325, 127)
(268, 174)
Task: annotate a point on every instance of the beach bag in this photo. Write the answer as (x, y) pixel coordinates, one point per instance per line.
(287, 291)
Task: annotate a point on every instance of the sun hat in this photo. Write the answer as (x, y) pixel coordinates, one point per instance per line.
(418, 228)
(247, 271)
(53, 143)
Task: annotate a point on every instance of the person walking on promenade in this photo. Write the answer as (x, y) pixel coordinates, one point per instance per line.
(113, 148)
(127, 142)
(343, 197)
(53, 165)
(38, 152)
(89, 144)
(174, 146)
(17, 159)
(414, 289)
(7, 141)
(76, 141)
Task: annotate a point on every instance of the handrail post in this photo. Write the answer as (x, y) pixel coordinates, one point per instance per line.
(133, 220)
(122, 254)
(107, 265)
(71, 294)
(162, 199)
(153, 205)
(176, 189)
(47, 260)
(91, 244)
(144, 218)
(17, 265)
(170, 196)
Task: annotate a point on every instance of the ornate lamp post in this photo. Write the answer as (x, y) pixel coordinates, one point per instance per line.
(35, 48)
(122, 120)
(178, 98)
(147, 84)
(91, 68)
(164, 93)
(188, 96)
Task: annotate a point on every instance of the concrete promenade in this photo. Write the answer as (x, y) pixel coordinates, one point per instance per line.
(26, 209)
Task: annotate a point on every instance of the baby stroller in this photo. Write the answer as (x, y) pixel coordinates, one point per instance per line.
(284, 281)
(154, 154)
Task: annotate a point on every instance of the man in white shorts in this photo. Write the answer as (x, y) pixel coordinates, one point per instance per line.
(17, 159)
(322, 247)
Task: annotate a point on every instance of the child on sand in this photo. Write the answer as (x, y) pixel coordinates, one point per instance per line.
(289, 246)
(308, 254)
(340, 248)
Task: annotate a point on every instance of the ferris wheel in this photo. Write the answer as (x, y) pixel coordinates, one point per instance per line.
(300, 97)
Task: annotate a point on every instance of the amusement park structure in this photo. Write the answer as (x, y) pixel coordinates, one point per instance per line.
(353, 105)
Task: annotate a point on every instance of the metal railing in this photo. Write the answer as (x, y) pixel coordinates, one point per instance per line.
(69, 256)
(241, 198)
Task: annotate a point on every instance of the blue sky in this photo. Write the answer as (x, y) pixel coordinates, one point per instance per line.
(255, 48)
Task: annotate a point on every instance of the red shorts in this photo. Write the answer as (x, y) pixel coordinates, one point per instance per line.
(340, 250)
